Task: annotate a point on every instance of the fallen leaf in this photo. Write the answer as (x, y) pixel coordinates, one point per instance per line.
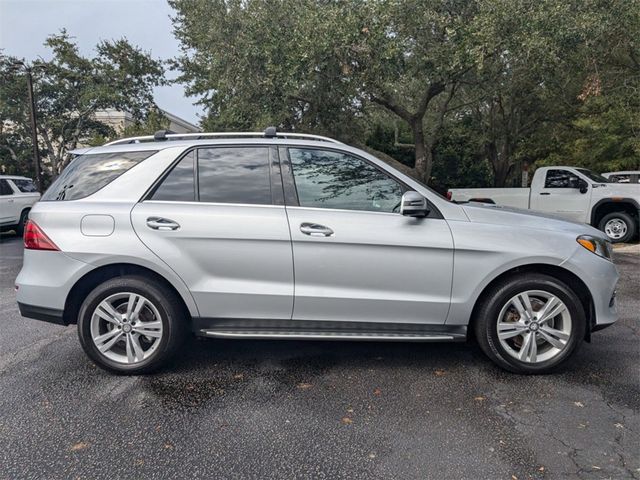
(541, 469)
(578, 404)
(304, 386)
(238, 376)
(618, 425)
(346, 421)
(595, 467)
(372, 455)
(79, 446)
(439, 373)
(479, 399)
(350, 410)
(168, 446)
(377, 391)
(138, 463)
(513, 477)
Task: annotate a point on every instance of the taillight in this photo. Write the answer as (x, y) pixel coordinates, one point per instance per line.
(449, 195)
(35, 239)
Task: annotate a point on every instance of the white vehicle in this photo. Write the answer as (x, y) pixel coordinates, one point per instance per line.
(17, 196)
(573, 193)
(629, 176)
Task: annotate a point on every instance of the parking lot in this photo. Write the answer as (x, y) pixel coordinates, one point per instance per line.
(289, 409)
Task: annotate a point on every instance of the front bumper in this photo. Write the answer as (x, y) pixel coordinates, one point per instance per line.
(601, 278)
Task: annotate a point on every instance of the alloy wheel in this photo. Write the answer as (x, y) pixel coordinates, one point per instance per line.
(534, 326)
(126, 328)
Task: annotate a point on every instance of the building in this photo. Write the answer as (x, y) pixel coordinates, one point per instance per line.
(119, 120)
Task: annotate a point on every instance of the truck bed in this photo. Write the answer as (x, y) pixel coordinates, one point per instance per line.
(510, 197)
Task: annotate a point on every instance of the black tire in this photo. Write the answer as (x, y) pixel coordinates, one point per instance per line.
(24, 216)
(168, 305)
(487, 315)
(623, 217)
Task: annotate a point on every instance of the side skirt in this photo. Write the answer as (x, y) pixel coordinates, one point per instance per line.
(322, 330)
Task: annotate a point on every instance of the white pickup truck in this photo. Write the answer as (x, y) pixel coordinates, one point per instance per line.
(17, 196)
(573, 193)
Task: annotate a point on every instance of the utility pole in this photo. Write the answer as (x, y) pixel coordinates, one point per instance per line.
(34, 123)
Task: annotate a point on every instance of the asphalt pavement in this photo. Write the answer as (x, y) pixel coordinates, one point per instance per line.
(290, 409)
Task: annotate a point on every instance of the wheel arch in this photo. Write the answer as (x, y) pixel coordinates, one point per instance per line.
(567, 277)
(90, 280)
(610, 205)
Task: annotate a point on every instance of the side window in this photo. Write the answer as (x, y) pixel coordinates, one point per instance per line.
(179, 185)
(327, 179)
(234, 175)
(25, 186)
(5, 189)
(560, 179)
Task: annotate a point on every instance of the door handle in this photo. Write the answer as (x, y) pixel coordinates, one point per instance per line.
(159, 223)
(545, 193)
(315, 230)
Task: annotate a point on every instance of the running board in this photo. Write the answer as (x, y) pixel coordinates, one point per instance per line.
(327, 330)
(351, 336)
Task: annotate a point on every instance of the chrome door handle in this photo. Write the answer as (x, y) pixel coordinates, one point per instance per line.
(159, 223)
(545, 193)
(315, 230)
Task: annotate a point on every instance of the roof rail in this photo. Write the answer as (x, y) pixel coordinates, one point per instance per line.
(270, 132)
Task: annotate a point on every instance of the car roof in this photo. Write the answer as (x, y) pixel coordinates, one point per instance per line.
(15, 177)
(624, 172)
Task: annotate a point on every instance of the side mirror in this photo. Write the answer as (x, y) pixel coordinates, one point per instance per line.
(413, 205)
(583, 186)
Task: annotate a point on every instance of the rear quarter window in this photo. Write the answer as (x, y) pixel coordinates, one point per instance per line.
(88, 173)
(25, 186)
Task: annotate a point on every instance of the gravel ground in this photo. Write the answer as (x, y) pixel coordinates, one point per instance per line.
(287, 409)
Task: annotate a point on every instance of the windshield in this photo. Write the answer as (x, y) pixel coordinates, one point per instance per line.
(593, 176)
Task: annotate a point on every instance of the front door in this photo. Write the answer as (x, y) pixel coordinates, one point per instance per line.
(355, 257)
(8, 213)
(561, 195)
(216, 220)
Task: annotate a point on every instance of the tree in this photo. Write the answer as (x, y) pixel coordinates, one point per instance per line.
(70, 88)
(324, 65)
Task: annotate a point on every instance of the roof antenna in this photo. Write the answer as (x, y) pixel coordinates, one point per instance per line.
(270, 132)
(162, 135)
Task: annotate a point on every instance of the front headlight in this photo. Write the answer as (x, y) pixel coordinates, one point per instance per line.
(596, 245)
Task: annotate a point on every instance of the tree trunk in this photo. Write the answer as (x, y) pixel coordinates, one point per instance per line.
(424, 158)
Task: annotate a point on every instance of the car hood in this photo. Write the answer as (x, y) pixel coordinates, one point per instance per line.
(518, 218)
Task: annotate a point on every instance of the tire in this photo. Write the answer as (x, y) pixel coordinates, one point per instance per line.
(24, 216)
(496, 307)
(161, 317)
(618, 226)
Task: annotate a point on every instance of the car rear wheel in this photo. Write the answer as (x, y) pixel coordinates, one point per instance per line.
(530, 323)
(618, 226)
(131, 325)
(24, 216)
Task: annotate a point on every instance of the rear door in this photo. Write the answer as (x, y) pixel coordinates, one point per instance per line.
(560, 194)
(356, 258)
(218, 220)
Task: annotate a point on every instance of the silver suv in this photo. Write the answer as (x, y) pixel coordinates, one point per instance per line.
(292, 236)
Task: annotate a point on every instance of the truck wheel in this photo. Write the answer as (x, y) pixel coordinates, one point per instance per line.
(618, 226)
(131, 325)
(530, 323)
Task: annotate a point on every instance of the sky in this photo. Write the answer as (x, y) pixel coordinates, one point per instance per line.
(25, 24)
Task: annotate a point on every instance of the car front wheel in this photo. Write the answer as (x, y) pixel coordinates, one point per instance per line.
(530, 323)
(131, 325)
(618, 226)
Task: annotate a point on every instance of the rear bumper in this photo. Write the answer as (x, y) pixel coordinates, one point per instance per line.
(45, 314)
